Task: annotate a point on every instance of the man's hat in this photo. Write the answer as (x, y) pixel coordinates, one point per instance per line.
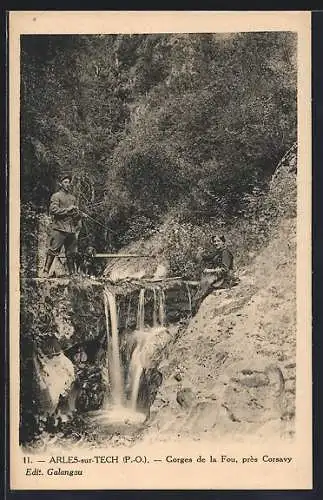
(222, 237)
(65, 176)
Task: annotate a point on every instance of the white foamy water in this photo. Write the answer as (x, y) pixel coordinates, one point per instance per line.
(148, 344)
(135, 371)
(137, 364)
(119, 415)
(141, 310)
(114, 363)
(162, 307)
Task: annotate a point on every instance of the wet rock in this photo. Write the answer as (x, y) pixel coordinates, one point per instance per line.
(70, 310)
(53, 377)
(185, 398)
(177, 296)
(67, 402)
(150, 382)
(91, 389)
(89, 398)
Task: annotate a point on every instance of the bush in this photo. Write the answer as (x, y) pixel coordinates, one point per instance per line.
(155, 123)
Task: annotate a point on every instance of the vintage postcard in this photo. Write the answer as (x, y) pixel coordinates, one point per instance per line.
(160, 250)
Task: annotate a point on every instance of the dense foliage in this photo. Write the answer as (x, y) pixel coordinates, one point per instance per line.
(155, 127)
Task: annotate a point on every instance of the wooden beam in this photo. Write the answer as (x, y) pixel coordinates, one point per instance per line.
(122, 255)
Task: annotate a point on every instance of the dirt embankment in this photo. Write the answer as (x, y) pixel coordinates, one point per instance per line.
(233, 369)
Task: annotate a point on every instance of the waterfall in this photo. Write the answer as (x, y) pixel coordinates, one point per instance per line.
(145, 339)
(135, 367)
(135, 386)
(159, 307)
(114, 363)
(124, 401)
(141, 310)
(135, 371)
(162, 314)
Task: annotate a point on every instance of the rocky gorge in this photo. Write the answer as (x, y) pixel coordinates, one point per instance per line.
(228, 370)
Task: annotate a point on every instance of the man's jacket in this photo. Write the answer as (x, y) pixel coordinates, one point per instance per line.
(63, 219)
(217, 258)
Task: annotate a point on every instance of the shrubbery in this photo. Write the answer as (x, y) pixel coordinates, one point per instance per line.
(154, 125)
(260, 212)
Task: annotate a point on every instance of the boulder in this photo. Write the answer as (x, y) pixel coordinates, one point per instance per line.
(53, 378)
(254, 395)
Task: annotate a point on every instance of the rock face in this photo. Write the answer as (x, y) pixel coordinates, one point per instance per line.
(149, 385)
(237, 355)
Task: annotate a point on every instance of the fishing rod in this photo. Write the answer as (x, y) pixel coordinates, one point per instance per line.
(97, 222)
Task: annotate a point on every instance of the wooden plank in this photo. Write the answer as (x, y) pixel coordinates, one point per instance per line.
(122, 255)
(156, 280)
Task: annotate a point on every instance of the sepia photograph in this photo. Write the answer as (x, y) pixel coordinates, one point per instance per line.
(158, 245)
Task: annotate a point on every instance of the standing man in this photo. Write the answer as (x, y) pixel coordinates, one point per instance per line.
(66, 224)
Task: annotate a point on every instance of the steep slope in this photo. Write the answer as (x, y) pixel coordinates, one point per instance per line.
(233, 369)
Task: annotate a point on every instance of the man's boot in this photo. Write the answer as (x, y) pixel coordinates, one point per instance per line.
(70, 262)
(48, 264)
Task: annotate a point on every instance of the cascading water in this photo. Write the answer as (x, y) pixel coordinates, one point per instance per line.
(136, 369)
(189, 297)
(123, 410)
(141, 310)
(143, 335)
(113, 352)
(161, 307)
(117, 411)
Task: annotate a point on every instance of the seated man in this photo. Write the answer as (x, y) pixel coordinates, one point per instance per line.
(217, 265)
